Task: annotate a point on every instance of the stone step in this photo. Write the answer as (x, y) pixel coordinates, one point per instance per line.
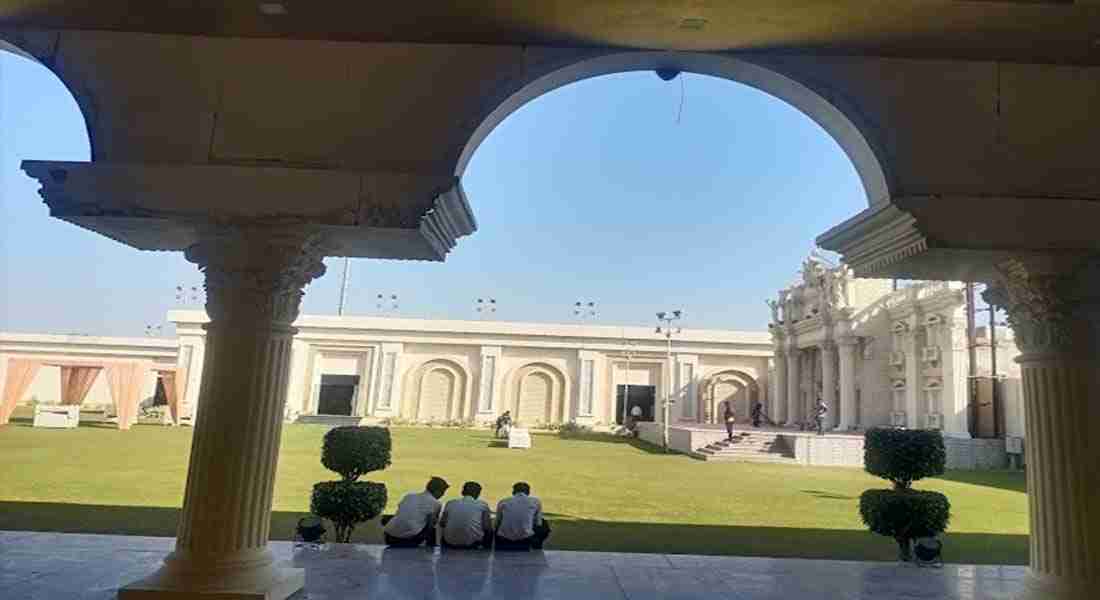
(330, 420)
(757, 458)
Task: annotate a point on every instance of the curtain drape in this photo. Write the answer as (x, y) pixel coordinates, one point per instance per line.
(126, 381)
(76, 380)
(20, 375)
(175, 388)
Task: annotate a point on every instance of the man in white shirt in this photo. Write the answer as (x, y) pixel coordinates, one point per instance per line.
(417, 514)
(466, 522)
(520, 525)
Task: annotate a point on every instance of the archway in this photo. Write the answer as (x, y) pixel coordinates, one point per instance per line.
(538, 395)
(436, 391)
(729, 385)
(844, 127)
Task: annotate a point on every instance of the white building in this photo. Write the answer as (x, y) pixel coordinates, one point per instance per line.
(878, 356)
(436, 370)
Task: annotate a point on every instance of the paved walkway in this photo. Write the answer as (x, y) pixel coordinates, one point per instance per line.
(52, 565)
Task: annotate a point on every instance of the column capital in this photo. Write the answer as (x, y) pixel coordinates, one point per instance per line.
(257, 274)
(1053, 303)
(848, 342)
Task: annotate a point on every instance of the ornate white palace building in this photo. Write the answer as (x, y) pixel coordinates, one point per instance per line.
(879, 356)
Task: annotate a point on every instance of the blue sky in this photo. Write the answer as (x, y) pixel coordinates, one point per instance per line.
(592, 192)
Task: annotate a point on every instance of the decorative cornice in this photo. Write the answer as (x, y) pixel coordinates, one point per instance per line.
(875, 239)
(1053, 304)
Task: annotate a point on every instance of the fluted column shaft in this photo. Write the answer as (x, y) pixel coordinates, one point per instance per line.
(828, 381)
(847, 349)
(779, 401)
(794, 386)
(254, 281)
(1055, 312)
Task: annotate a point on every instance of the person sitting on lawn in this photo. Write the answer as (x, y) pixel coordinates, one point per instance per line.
(520, 525)
(417, 514)
(466, 523)
(504, 422)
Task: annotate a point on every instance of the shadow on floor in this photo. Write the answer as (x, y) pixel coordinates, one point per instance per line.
(827, 495)
(1012, 481)
(569, 534)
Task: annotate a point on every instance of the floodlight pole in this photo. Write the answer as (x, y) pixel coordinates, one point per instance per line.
(664, 325)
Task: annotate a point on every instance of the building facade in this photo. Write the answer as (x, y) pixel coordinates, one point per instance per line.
(421, 370)
(882, 356)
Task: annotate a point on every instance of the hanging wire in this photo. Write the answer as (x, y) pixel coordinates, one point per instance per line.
(680, 111)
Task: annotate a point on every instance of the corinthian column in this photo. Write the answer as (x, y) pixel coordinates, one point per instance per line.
(254, 282)
(779, 401)
(847, 346)
(794, 386)
(1054, 308)
(828, 381)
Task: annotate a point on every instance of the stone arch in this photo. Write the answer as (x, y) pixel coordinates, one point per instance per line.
(845, 127)
(717, 388)
(425, 384)
(541, 383)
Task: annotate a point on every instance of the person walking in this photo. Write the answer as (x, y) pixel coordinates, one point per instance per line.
(757, 413)
(820, 409)
(728, 418)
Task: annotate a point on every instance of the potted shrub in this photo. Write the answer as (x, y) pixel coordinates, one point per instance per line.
(352, 452)
(903, 456)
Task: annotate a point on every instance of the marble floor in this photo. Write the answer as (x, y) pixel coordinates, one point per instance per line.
(52, 565)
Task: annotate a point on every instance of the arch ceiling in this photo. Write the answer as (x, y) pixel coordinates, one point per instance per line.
(190, 131)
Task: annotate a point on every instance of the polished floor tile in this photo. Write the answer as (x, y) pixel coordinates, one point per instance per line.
(92, 567)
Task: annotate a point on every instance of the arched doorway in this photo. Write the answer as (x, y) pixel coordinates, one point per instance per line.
(437, 392)
(538, 395)
(733, 386)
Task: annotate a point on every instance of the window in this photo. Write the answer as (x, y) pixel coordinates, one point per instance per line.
(687, 385)
(587, 366)
(389, 361)
(488, 375)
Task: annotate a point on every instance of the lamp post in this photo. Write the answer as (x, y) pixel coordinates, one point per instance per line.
(187, 295)
(628, 353)
(584, 309)
(344, 287)
(386, 303)
(485, 307)
(664, 326)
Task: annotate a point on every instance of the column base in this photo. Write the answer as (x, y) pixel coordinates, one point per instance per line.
(1037, 587)
(271, 582)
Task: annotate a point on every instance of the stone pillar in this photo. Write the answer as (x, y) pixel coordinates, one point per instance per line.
(254, 281)
(794, 387)
(914, 381)
(847, 348)
(778, 411)
(1054, 308)
(828, 382)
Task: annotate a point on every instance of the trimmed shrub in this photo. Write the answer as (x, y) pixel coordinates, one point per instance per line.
(905, 514)
(352, 452)
(347, 503)
(903, 456)
(355, 451)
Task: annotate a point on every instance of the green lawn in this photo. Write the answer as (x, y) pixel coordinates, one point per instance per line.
(602, 494)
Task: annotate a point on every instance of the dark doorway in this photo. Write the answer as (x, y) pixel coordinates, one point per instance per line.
(337, 394)
(643, 396)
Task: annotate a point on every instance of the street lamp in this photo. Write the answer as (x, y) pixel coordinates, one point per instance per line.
(584, 310)
(485, 307)
(665, 327)
(628, 353)
(187, 295)
(386, 303)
